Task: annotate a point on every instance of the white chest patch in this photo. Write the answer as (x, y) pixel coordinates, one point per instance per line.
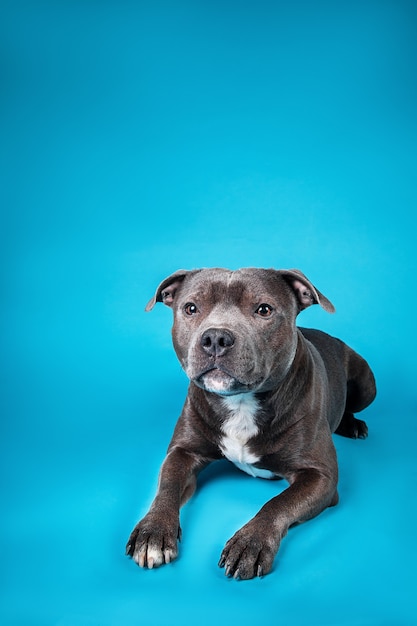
(239, 426)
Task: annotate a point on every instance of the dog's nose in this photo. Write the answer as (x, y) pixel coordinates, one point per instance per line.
(216, 341)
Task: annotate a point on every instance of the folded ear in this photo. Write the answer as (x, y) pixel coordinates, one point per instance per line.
(305, 291)
(167, 289)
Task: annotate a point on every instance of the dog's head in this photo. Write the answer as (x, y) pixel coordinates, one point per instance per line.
(234, 331)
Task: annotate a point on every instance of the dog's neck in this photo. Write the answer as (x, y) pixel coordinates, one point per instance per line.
(240, 420)
(238, 427)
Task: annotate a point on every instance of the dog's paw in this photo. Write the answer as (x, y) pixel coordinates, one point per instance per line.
(351, 427)
(153, 542)
(248, 554)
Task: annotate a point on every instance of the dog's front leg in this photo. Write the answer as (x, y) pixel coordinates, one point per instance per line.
(154, 540)
(251, 551)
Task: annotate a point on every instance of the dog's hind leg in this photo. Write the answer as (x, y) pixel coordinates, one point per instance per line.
(351, 427)
(361, 391)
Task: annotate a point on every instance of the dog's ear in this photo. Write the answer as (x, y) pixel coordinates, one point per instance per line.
(305, 291)
(166, 290)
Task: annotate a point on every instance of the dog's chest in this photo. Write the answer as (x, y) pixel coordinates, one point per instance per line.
(240, 426)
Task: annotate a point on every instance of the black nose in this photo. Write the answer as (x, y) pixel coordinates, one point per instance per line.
(216, 341)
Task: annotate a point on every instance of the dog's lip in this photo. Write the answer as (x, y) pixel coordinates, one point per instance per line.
(214, 368)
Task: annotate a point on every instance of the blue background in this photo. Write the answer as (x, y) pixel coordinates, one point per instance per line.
(142, 137)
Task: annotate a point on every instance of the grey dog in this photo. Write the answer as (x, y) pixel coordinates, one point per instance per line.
(264, 394)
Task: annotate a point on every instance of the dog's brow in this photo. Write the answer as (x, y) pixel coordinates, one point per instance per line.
(233, 291)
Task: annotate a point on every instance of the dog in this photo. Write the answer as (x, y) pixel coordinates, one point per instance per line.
(264, 394)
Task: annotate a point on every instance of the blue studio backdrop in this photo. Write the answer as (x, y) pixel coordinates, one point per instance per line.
(139, 137)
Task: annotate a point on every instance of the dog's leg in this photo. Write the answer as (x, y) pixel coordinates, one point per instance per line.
(154, 539)
(251, 551)
(351, 427)
(361, 391)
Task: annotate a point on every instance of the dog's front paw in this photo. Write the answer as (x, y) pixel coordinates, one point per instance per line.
(153, 542)
(248, 554)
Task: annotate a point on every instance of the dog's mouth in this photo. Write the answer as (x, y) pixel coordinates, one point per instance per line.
(220, 381)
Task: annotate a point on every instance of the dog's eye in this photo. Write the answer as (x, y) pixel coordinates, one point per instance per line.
(190, 308)
(264, 310)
